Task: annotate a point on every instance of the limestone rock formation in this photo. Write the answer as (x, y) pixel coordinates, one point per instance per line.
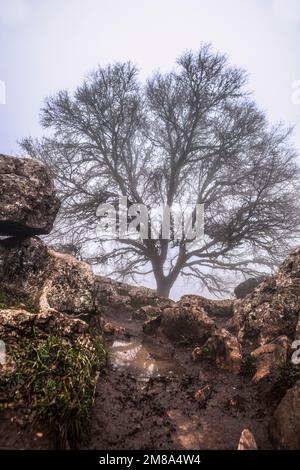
(213, 308)
(269, 356)
(223, 349)
(272, 309)
(113, 295)
(28, 200)
(285, 425)
(247, 441)
(247, 286)
(17, 323)
(186, 323)
(52, 280)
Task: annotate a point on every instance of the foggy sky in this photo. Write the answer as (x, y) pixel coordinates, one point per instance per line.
(48, 45)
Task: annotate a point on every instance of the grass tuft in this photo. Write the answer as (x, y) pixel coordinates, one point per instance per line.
(248, 367)
(57, 379)
(287, 374)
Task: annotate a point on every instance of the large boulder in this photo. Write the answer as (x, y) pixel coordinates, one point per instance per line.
(213, 308)
(52, 280)
(28, 200)
(185, 322)
(285, 425)
(269, 356)
(144, 302)
(222, 349)
(247, 286)
(272, 309)
(19, 323)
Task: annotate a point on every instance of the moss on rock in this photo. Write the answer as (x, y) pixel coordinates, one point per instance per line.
(54, 377)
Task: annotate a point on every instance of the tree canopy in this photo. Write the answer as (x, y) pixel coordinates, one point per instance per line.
(190, 136)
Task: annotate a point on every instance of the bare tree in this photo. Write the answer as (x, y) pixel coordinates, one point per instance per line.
(193, 135)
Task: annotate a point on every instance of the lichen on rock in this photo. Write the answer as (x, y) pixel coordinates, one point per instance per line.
(272, 309)
(28, 200)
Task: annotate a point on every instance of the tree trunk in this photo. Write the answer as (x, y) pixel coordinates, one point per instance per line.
(163, 287)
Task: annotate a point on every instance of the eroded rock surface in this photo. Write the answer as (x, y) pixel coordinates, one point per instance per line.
(272, 309)
(269, 356)
(247, 286)
(18, 323)
(247, 441)
(28, 200)
(186, 322)
(53, 280)
(223, 349)
(285, 425)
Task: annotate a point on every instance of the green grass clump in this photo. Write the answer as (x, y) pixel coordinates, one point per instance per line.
(12, 297)
(57, 378)
(287, 374)
(248, 367)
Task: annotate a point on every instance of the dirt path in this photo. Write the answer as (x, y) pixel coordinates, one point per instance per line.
(147, 400)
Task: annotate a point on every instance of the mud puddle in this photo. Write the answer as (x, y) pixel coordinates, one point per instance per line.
(147, 400)
(143, 359)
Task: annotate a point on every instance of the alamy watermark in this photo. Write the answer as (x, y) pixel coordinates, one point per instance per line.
(138, 222)
(2, 92)
(296, 354)
(2, 353)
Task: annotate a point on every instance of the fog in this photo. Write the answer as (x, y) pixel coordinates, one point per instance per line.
(50, 45)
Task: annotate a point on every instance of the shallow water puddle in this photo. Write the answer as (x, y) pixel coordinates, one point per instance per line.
(145, 359)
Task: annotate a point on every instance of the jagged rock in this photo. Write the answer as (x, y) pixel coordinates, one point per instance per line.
(247, 441)
(223, 349)
(109, 328)
(247, 286)
(20, 323)
(113, 295)
(142, 296)
(23, 262)
(285, 425)
(187, 323)
(213, 308)
(53, 280)
(28, 200)
(70, 287)
(269, 356)
(110, 293)
(272, 309)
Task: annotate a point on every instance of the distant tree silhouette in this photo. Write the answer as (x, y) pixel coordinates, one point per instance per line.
(193, 135)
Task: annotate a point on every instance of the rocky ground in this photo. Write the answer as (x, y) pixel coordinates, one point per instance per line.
(193, 374)
(154, 398)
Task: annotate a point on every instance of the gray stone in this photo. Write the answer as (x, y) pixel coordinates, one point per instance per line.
(28, 202)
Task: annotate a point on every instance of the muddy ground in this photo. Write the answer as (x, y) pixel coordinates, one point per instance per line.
(147, 401)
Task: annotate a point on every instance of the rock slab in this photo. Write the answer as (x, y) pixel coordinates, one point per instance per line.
(28, 201)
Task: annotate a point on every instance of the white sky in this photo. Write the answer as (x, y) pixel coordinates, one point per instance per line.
(47, 45)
